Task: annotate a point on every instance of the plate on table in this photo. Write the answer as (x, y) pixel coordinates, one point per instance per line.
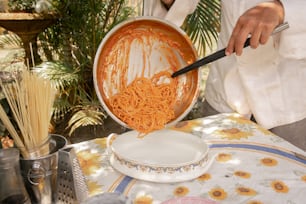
(164, 156)
(143, 47)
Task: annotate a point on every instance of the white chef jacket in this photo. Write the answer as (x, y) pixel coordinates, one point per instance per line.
(268, 82)
(176, 14)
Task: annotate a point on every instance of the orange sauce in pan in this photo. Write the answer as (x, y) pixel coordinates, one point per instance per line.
(134, 52)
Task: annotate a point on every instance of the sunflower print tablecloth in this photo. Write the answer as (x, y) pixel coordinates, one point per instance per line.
(250, 165)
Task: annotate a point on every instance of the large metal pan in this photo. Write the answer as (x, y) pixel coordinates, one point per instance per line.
(144, 46)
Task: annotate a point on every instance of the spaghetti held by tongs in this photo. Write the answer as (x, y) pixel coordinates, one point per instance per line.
(31, 99)
(146, 104)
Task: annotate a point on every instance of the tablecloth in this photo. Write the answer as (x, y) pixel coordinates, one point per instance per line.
(250, 165)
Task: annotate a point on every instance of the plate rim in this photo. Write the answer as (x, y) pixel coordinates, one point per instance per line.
(170, 178)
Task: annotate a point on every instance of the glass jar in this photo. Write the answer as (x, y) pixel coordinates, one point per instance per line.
(12, 189)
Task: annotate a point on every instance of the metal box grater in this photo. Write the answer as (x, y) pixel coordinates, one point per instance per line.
(71, 185)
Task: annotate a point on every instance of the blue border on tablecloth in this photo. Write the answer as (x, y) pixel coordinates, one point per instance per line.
(123, 184)
(260, 148)
(126, 180)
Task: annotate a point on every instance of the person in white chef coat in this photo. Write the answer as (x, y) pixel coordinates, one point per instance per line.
(266, 81)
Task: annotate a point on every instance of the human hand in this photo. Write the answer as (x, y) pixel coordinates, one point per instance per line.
(259, 22)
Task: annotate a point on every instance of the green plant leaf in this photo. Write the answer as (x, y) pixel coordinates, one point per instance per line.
(84, 116)
(203, 25)
(10, 39)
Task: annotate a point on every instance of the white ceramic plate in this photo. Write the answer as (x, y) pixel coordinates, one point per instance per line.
(162, 156)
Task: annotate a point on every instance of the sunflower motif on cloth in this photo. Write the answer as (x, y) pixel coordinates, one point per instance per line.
(233, 133)
(94, 188)
(242, 174)
(181, 191)
(217, 193)
(279, 186)
(223, 157)
(245, 191)
(144, 199)
(186, 126)
(269, 161)
(204, 177)
(101, 142)
(239, 119)
(245, 121)
(89, 162)
(254, 202)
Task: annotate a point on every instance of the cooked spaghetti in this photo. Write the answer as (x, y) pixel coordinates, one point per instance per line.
(146, 104)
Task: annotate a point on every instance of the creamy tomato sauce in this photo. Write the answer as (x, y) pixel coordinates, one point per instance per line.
(141, 49)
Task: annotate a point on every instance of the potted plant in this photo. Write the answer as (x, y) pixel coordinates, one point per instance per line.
(21, 6)
(31, 6)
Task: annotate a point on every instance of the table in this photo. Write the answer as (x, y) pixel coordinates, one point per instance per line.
(251, 165)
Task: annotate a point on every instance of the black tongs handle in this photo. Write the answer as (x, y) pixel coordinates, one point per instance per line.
(221, 53)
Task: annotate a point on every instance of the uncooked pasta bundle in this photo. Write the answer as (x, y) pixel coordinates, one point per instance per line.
(31, 99)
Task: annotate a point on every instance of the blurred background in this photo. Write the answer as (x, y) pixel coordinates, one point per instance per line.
(63, 46)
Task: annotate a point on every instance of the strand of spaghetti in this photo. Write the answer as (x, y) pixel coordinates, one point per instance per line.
(146, 104)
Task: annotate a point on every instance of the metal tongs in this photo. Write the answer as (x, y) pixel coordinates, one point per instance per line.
(221, 53)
